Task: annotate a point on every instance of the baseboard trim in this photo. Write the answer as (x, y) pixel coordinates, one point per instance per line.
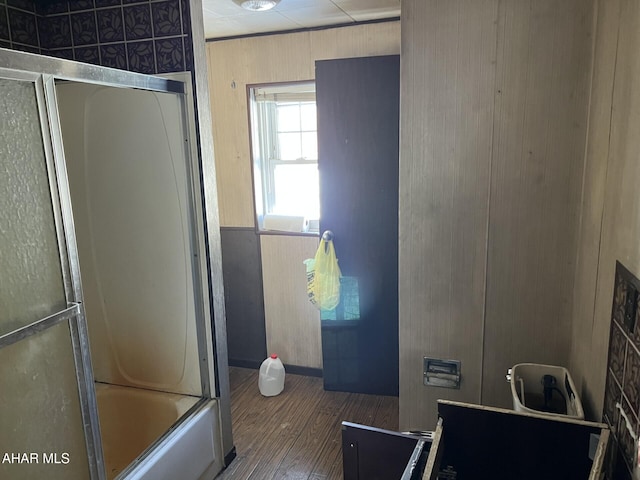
(254, 364)
(306, 371)
(293, 369)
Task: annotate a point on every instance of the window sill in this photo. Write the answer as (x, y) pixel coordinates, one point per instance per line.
(287, 234)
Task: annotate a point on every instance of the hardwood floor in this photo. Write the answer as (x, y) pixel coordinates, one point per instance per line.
(296, 435)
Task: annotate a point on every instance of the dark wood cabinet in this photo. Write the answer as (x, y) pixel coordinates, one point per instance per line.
(475, 441)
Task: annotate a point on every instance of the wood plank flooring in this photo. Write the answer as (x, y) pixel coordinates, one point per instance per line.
(296, 435)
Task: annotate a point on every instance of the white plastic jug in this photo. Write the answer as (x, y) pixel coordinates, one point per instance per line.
(271, 380)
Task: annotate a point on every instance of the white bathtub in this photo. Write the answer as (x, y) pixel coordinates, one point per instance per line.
(131, 419)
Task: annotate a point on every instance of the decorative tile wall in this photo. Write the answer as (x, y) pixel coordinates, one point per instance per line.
(19, 26)
(146, 36)
(622, 394)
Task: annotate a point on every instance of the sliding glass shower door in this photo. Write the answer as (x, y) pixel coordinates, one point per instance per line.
(45, 408)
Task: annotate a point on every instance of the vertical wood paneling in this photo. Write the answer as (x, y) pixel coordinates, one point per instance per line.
(447, 84)
(620, 237)
(231, 132)
(541, 110)
(292, 322)
(494, 114)
(620, 234)
(376, 39)
(587, 366)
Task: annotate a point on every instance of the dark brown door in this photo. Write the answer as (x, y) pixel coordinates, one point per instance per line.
(358, 122)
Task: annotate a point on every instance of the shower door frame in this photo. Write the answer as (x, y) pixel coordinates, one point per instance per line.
(43, 72)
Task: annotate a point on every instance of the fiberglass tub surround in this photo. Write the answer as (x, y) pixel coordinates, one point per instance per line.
(128, 179)
(129, 184)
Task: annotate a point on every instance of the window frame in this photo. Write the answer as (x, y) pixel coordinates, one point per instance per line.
(263, 169)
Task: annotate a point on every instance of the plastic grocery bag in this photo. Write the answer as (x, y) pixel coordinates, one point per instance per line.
(323, 277)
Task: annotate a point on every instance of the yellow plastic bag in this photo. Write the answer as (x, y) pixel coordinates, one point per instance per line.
(323, 277)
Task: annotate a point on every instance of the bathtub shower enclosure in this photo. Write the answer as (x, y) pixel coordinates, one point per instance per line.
(106, 355)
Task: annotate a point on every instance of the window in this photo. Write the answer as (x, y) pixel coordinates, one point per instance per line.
(285, 157)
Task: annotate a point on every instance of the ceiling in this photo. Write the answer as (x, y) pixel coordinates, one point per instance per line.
(223, 18)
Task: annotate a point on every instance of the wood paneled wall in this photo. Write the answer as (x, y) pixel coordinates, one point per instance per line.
(610, 226)
(542, 92)
(292, 324)
(447, 83)
(494, 99)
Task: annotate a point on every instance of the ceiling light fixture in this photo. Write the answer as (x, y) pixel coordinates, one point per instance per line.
(257, 5)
